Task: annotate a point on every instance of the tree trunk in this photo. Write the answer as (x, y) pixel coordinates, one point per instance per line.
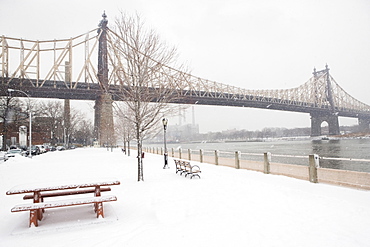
(124, 144)
(139, 157)
(5, 134)
(128, 147)
(140, 162)
(5, 126)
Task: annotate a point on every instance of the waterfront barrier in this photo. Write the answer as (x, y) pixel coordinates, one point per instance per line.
(262, 162)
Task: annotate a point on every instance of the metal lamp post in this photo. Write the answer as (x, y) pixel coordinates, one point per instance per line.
(30, 121)
(165, 122)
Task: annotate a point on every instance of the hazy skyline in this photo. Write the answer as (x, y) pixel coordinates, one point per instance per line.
(250, 44)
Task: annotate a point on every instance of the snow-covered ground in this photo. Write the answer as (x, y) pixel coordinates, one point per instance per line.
(226, 207)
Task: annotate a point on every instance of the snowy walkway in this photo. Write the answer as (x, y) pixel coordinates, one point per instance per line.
(227, 207)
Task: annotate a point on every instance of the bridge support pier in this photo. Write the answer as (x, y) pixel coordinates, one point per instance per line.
(67, 122)
(103, 126)
(363, 125)
(318, 119)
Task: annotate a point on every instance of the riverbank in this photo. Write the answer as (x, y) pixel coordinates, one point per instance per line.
(354, 152)
(226, 207)
(286, 138)
(313, 172)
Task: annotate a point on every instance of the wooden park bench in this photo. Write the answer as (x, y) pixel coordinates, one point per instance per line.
(184, 167)
(39, 193)
(35, 208)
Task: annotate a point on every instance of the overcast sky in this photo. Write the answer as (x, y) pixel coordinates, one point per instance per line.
(254, 44)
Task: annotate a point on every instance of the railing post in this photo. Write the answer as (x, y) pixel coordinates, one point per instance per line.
(237, 159)
(266, 162)
(216, 157)
(312, 169)
(179, 153)
(173, 152)
(201, 155)
(189, 154)
(161, 151)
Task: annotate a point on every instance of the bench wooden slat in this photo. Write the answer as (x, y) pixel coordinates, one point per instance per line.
(66, 193)
(63, 203)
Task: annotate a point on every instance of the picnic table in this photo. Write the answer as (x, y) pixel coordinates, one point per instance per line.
(41, 191)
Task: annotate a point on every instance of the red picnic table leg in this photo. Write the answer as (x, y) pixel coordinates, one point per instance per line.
(97, 193)
(98, 206)
(33, 218)
(99, 210)
(36, 199)
(35, 215)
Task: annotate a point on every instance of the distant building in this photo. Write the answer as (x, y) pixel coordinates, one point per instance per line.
(41, 132)
(186, 132)
(18, 132)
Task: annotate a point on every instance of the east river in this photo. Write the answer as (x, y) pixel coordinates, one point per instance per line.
(355, 153)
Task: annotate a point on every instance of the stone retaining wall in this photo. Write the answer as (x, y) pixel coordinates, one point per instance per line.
(359, 180)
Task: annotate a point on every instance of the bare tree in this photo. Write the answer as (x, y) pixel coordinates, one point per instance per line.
(124, 128)
(140, 56)
(76, 118)
(53, 110)
(9, 109)
(84, 132)
(14, 111)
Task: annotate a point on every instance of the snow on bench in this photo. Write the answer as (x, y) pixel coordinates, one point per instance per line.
(183, 166)
(34, 207)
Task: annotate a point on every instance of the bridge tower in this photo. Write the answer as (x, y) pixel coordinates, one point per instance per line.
(103, 126)
(331, 117)
(317, 119)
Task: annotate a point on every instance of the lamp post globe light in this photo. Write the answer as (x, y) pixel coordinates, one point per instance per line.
(165, 122)
(30, 119)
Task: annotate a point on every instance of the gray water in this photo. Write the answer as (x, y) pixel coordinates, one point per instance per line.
(342, 148)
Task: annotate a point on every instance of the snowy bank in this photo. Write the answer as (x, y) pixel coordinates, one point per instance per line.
(226, 207)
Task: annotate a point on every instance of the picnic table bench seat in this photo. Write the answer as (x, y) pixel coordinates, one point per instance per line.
(184, 167)
(33, 207)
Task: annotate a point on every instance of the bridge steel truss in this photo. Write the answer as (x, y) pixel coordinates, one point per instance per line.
(67, 69)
